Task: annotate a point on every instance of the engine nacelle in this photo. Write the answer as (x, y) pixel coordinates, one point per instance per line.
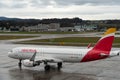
(28, 63)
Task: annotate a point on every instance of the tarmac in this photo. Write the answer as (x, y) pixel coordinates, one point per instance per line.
(106, 69)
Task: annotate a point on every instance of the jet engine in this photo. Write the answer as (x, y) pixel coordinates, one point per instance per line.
(28, 63)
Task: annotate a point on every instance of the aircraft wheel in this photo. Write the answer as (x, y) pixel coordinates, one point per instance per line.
(59, 65)
(47, 67)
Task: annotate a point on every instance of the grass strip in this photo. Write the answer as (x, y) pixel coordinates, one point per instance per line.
(14, 37)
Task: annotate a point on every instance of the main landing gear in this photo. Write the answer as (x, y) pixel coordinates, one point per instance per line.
(48, 67)
(59, 65)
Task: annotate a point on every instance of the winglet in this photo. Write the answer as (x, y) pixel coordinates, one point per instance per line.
(89, 45)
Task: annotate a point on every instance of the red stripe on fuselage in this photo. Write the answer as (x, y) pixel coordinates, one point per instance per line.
(102, 47)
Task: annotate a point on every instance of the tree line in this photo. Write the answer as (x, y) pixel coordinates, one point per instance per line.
(64, 22)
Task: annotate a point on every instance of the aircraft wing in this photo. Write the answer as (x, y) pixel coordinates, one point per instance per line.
(38, 58)
(47, 59)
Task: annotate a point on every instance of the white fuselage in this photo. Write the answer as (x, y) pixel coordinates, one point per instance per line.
(64, 54)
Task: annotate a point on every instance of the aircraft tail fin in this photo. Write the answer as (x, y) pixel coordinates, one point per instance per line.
(105, 42)
(102, 48)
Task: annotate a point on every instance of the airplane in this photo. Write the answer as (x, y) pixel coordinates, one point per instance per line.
(31, 56)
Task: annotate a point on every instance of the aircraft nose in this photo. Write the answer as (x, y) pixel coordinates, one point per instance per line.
(10, 54)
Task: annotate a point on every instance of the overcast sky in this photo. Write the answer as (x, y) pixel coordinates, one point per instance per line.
(85, 9)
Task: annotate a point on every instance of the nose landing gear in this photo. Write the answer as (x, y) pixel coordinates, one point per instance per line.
(20, 64)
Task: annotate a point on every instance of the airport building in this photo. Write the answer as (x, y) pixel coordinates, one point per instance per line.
(65, 29)
(1, 29)
(85, 27)
(52, 27)
(37, 28)
(43, 27)
(14, 28)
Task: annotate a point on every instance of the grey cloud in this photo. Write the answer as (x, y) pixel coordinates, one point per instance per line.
(83, 2)
(61, 3)
(18, 5)
(13, 4)
(2, 5)
(40, 3)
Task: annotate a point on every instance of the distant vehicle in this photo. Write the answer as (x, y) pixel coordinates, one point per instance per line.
(31, 56)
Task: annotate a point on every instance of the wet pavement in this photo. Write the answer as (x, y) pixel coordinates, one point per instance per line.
(107, 69)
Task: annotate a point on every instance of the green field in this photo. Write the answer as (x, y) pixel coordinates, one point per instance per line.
(70, 41)
(74, 40)
(14, 37)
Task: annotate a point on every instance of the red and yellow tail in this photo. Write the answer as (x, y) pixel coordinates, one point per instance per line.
(105, 43)
(102, 48)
